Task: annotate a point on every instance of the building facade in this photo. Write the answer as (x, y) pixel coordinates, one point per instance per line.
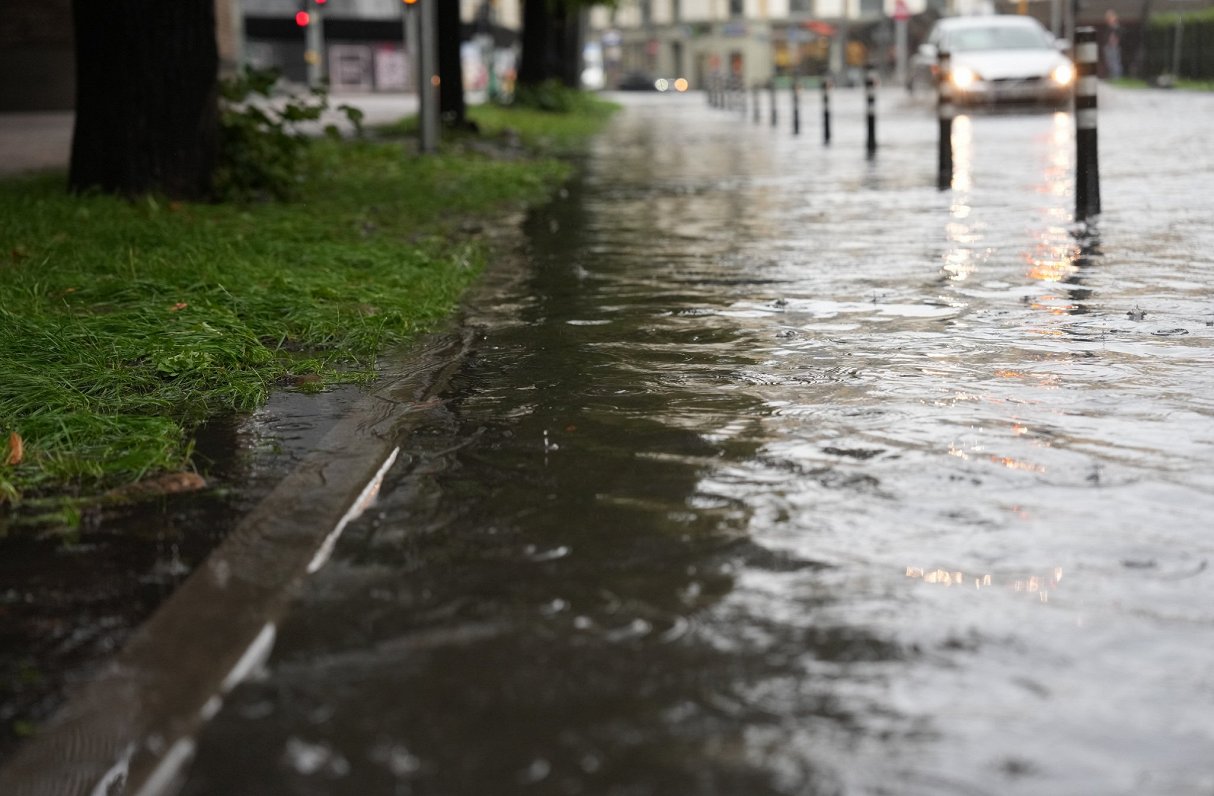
(360, 45)
(752, 40)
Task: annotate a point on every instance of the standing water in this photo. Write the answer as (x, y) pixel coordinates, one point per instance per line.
(780, 472)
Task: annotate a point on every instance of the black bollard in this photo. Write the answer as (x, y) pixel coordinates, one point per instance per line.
(825, 109)
(945, 111)
(755, 97)
(1087, 161)
(870, 105)
(796, 107)
(774, 116)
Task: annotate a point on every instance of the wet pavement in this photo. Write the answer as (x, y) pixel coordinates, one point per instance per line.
(778, 471)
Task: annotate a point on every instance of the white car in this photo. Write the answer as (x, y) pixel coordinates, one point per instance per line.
(997, 59)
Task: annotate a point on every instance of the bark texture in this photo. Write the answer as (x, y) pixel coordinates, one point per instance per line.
(451, 104)
(147, 117)
(552, 42)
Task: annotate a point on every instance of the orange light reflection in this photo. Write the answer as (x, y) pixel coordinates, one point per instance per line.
(1021, 584)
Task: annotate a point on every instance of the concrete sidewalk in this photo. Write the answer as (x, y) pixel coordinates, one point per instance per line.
(43, 140)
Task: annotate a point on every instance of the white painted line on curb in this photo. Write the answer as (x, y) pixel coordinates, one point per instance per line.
(365, 499)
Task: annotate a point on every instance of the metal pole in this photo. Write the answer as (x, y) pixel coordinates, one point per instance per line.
(1087, 165)
(774, 115)
(314, 47)
(826, 109)
(427, 84)
(945, 111)
(754, 95)
(870, 103)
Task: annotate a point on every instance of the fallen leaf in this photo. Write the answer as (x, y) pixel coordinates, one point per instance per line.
(164, 484)
(16, 449)
(178, 307)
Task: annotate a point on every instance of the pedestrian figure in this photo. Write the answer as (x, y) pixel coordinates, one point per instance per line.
(1112, 45)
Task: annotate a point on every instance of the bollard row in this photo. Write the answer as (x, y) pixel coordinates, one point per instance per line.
(731, 94)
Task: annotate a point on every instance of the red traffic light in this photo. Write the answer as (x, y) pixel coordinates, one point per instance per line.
(321, 2)
(302, 18)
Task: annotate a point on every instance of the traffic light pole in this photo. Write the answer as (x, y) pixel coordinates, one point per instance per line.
(313, 47)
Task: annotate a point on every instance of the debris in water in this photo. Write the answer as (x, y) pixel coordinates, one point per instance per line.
(397, 758)
(535, 554)
(1136, 314)
(538, 771)
(315, 758)
(164, 484)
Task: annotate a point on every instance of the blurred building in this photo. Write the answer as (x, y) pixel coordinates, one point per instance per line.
(750, 39)
(362, 45)
(756, 40)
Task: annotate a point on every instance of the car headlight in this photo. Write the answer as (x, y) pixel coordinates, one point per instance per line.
(963, 77)
(1063, 74)
(661, 84)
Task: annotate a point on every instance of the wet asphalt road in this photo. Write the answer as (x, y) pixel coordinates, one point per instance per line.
(777, 471)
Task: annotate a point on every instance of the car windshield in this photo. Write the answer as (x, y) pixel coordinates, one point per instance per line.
(995, 37)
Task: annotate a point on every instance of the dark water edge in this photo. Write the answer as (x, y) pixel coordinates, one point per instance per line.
(71, 597)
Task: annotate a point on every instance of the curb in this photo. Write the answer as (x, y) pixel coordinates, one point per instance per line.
(130, 728)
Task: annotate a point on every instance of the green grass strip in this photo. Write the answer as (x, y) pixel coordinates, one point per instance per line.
(124, 325)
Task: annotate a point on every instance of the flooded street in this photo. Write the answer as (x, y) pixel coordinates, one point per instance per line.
(778, 471)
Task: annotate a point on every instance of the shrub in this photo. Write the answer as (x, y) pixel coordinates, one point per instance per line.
(262, 136)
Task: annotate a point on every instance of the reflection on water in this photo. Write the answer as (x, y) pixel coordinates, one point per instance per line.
(764, 480)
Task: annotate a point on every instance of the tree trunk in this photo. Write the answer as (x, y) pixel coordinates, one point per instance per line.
(552, 43)
(570, 42)
(451, 105)
(147, 118)
(536, 36)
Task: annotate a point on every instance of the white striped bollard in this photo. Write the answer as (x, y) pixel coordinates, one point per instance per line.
(870, 105)
(825, 109)
(945, 111)
(1087, 161)
(796, 107)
